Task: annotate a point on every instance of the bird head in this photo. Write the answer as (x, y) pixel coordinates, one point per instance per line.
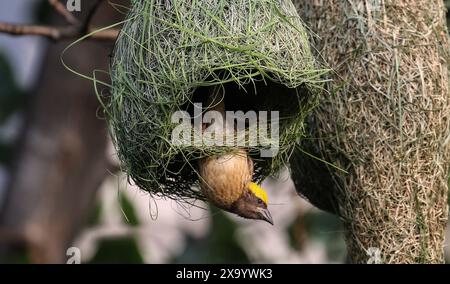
(252, 204)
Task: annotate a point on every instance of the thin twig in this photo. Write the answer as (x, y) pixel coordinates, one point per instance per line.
(75, 30)
(61, 9)
(56, 33)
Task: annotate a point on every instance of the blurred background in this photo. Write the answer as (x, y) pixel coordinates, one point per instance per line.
(60, 186)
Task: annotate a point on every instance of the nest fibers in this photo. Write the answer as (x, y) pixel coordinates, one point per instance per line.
(386, 122)
(171, 53)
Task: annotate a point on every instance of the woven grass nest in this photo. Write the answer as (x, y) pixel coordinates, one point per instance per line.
(171, 54)
(385, 125)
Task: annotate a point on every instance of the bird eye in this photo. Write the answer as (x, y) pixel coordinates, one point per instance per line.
(260, 202)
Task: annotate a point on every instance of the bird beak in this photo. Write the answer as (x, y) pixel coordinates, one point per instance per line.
(265, 215)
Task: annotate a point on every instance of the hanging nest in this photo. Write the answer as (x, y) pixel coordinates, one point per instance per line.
(171, 54)
(385, 125)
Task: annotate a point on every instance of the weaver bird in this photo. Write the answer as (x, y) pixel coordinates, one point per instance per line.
(226, 181)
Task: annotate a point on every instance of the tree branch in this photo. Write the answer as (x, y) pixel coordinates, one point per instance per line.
(74, 30)
(56, 33)
(61, 9)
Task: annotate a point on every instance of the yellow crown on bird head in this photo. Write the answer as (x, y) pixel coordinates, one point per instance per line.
(258, 192)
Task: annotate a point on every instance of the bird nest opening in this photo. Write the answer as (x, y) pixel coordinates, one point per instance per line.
(249, 55)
